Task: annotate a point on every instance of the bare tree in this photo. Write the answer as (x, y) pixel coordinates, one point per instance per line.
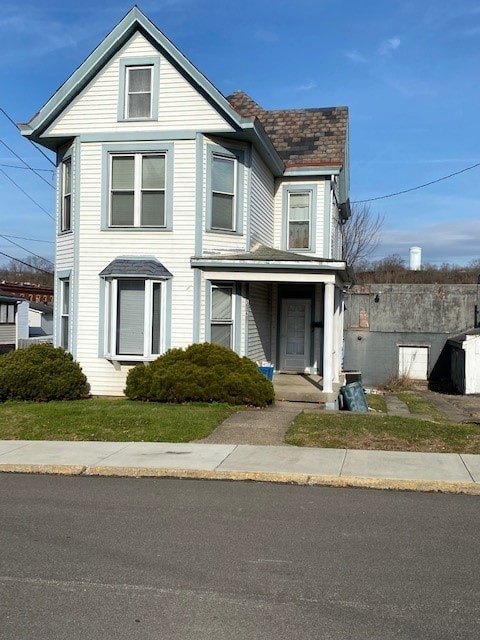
(360, 234)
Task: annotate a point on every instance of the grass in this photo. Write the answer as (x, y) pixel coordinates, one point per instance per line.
(426, 430)
(109, 419)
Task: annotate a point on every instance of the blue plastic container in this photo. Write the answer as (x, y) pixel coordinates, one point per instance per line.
(267, 371)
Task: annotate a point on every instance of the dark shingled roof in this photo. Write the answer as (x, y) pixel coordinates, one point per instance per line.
(146, 267)
(302, 137)
(268, 254)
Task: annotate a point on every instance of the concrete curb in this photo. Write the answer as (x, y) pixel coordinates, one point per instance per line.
(248, 476)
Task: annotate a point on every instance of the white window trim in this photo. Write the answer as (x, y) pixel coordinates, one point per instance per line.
(129, 93)
(110, 331)
(307, 193)
(137, 189)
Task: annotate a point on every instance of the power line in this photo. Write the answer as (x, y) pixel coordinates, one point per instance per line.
(29, 239)
(26, 164)
(420, 186)
(24, 192)
(26, 263)
(31, 141)
(15, 166)
(24, 249)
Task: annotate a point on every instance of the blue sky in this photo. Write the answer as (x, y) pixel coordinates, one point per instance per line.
(406, 69)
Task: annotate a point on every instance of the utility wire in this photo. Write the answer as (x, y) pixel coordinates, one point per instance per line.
(30, 239)
(24, 249)
(420, 186)
(26, 164)
(30, 197)
(26, 263)
(31, 141)
(15, 166)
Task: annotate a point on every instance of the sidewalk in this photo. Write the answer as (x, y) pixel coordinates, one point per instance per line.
(446, 472)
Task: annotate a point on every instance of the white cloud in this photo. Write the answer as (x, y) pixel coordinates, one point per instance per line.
(308, 85)
(391, 44)
(355, 56)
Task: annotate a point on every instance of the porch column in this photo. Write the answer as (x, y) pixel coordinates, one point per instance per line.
(328, 333)
(337, 348)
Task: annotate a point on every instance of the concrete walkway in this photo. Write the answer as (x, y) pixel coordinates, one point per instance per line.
(445, 472)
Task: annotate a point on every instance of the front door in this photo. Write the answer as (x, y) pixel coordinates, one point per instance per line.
(295, 335)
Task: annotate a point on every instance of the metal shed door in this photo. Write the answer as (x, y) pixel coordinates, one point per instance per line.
(413, 362)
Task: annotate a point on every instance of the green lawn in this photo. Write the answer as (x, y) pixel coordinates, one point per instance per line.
(344, 429)
(109, 419)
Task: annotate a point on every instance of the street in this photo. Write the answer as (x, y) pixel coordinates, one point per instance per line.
(115, 558)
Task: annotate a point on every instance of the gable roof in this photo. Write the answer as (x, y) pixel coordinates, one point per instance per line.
(301, 137)
(134, 21)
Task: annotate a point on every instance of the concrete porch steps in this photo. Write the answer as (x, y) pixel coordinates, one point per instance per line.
(294, 387)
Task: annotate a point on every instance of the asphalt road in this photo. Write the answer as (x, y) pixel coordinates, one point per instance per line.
(110, 558)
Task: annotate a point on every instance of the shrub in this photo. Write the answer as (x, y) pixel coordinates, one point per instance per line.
(41, 372)
(201, 373)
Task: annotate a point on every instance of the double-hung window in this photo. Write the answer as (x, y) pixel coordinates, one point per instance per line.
(299, 217)
(137, 190)
(7, 313)
(299, 220)
(66, 196)
(223, 192)
(138, 92)
(221, 315)
(65, 312)
(135, 312)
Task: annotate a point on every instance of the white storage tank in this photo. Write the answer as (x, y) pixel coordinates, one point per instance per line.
(415, 258)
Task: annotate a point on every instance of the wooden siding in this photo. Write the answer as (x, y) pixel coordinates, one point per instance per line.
(98, 248)
(96, 108)
(261, 202)
(7, 334)
(259, 322)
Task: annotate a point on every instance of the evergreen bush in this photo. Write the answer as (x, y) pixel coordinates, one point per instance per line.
(201, 373)
(42, 373)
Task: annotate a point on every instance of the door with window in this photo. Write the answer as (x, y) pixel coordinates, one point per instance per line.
(295, 335)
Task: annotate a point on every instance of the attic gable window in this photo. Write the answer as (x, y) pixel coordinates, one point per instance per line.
(138, 86)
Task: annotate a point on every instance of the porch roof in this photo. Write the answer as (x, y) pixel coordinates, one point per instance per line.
(265, 263)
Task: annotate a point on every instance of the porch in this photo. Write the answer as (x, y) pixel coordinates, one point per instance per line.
(296, 387)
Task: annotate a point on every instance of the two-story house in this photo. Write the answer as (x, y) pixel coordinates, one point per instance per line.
(185, 216)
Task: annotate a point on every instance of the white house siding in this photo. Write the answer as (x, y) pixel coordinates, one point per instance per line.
(261, 202)
(280, 222)
(7, 334)
(259, 319)
(98, 248)
(96, 108)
